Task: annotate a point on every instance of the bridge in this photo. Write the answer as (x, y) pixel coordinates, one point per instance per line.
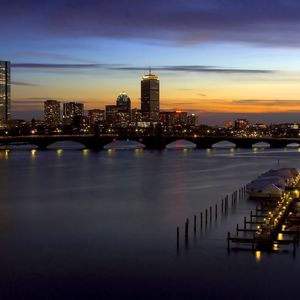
(150, 142)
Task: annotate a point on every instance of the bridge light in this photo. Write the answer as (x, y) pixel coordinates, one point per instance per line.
(59, 152)
(258, 256)
(33, 153)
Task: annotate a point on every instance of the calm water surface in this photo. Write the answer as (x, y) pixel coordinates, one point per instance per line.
(75, 224)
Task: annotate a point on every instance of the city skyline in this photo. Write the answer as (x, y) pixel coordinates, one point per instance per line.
(215, 58)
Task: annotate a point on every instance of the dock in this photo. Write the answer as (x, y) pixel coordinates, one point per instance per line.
(274, 223)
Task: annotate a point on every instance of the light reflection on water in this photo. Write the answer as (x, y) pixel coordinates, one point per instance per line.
(109, 219)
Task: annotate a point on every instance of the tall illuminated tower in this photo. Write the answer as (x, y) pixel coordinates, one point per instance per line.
(52, 113)
(150, 97)
(4, 91)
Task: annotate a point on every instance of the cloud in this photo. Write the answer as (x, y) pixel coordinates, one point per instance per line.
(57, 66)
(118, 67)
(198, 69)
(258, 102)
(23, 83)
(263, 22)
(48, 55)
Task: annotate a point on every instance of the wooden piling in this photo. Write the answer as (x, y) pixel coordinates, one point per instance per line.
(228, 241)
(237, 229)
(195, 222)
(201, 219)
(222, 206)
(205, 216)
(186, 230)
(245, 221)
(216, 211)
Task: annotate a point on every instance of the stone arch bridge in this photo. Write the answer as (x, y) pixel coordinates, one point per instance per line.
(150, 142)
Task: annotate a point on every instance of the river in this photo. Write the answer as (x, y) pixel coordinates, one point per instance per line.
(76, 224)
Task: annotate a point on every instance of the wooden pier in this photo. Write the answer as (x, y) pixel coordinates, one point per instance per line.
(273, 224)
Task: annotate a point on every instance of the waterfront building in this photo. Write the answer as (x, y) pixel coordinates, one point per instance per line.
(180, 118)
(192, 120)
(111, 112)
(124, 103)
(52, 113)
(228, 124)
(72, 110)
(5, 91)
(150, 97)
(96, 116)
(241, 124)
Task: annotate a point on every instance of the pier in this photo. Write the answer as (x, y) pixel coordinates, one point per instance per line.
(274, 223)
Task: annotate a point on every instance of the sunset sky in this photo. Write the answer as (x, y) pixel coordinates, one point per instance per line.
(219, 58)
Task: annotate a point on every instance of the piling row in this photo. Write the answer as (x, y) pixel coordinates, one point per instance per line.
(212, 212)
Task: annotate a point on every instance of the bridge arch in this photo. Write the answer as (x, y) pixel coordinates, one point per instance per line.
(224, 144)
(124, 144)
(261, 145)
(181, 144)
(18, 146)
(66, 145)
(293, 145)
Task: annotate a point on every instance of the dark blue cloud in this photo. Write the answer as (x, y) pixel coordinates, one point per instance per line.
(267, 22)
(194, 69)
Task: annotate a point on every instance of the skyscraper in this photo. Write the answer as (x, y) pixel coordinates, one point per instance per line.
(124, 110)
(150, 97)
(124, 103)
(52, 113)
(72, 110)
(4, 91)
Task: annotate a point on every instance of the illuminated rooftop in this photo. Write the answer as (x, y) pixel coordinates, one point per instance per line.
(150, 76)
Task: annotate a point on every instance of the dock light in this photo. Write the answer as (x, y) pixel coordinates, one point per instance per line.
(258, 227)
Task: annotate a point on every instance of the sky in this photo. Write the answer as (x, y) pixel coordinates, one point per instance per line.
(220, 59)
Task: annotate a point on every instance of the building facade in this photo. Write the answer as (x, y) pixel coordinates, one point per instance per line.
(150, 97)
(52, 113)
(72, 111)
(5, 91)
(96, 116)
(123, 103)
(111, 112)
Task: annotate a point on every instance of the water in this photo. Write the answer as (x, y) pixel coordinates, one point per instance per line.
(75, 224)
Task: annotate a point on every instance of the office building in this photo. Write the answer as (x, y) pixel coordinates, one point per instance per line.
(96, 116)
(111, 112)
(241, 124)
(4, 91)
(71, 111)
(191, 120)
(124, 103)
(52, 113)
(150, 97)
